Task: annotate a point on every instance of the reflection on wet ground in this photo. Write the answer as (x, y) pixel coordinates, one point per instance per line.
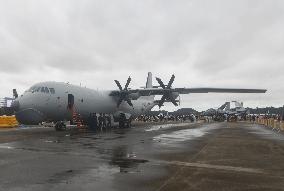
(167, 126)
(185, 134)
(266, 133)
(125, 160)
(141, 158)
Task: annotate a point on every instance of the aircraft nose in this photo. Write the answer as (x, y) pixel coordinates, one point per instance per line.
(29, 116)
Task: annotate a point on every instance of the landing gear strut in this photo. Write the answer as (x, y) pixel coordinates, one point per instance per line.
(123, 122)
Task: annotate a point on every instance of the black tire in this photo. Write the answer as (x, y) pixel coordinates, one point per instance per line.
(60, 126)
(121, 123)
(128, 123)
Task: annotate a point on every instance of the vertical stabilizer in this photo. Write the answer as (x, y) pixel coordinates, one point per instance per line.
(238, 104)
(149, 81)
(228, 106)
(223, 106)
(149, 85)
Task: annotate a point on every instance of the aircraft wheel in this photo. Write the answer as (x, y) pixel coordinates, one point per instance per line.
(60, 126)
(121, 124)
(128, 123)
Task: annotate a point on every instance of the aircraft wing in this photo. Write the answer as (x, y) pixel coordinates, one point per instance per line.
(217, 90)
(168, 93)
(159, 91)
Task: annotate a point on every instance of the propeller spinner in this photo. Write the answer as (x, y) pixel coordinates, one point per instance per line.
(169, 94)
(124, 93)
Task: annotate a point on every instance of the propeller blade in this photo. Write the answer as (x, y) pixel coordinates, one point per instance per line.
(119, 101)
(161, 102)
(161, 83)
(172, 99)
(123, 93)
(127, 83)
(15, 93)
(129, 102)
(118, 84)
(171, 81)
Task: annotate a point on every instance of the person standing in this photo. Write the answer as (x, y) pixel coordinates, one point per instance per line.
(90, 121)
(100, 119)
(95, 120)
(104, 120)
(108, 121)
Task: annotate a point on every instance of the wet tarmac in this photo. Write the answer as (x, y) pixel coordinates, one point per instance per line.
(215, 156)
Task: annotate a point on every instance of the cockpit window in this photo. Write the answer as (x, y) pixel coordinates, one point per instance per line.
(37, 89)
(32, 89)
(46, 90)
(41, 89)
(52, 90)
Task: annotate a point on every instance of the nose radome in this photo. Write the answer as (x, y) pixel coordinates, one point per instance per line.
(29, 116)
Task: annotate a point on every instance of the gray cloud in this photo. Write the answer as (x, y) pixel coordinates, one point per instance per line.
(205, 43)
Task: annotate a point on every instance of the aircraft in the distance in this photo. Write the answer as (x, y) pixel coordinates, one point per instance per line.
(220, 111)
(238, 110)
(56, 101)
(225, 111)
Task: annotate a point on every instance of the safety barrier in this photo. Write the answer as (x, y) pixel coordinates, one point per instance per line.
(271, 122)
(8, 121)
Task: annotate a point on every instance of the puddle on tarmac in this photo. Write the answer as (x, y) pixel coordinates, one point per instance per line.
(103, 171)
(183, 135)
(125, 159)
(166, 126)
(127, 165)
(6, 146)
(266, 133)
(52, 141)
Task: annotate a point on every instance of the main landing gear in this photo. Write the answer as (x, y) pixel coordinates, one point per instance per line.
(123, 121)
(60, 126)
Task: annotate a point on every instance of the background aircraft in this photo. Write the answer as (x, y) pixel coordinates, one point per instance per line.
(237, 110)
(57, 101)
(225, 110)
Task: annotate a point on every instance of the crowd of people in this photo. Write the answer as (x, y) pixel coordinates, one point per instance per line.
(102, 121)
(254, 117)
(166, 118)
(247, 117)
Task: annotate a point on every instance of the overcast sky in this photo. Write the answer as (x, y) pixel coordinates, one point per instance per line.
(238, 44)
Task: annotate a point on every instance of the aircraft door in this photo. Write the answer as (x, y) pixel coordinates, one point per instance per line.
(70, 101)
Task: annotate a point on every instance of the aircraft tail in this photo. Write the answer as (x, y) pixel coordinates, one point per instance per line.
(149, 81)
(224, 105)
(238, 104)
(149, 85)
(228, 106)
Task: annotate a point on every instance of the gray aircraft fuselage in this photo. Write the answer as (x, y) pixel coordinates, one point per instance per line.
(48, 101)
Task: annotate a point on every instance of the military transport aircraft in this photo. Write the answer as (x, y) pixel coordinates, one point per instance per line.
(56, 101)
